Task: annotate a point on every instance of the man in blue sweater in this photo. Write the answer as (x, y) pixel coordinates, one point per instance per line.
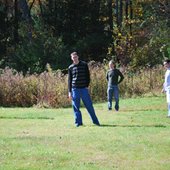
(78, 82)
(114, 77)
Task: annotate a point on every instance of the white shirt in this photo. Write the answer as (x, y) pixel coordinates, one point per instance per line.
(167, 80)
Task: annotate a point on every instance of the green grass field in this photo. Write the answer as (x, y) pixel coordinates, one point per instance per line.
(135, 138)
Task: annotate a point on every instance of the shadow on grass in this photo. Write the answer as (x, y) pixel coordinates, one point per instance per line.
(159, 125)
(3, 117)
(141, 110)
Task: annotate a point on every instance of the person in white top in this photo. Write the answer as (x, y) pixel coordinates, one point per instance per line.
(166, 85)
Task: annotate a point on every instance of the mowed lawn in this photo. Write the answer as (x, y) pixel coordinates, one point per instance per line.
(135, 138)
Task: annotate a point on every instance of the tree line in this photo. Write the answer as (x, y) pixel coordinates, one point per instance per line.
(35, 33)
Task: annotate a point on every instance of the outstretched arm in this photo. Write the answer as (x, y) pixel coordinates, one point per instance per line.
(121, 77)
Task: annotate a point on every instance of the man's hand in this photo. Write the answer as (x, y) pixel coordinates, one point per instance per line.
(70, 96)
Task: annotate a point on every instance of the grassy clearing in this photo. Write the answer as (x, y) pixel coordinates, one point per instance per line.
(135, 138)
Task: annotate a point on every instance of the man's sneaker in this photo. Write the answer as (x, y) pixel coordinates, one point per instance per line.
(97, 124)
(117, 107)
(109, 108)
(77, 125)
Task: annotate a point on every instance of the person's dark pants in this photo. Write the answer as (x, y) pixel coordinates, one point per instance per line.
(113, 90)
(77, 95)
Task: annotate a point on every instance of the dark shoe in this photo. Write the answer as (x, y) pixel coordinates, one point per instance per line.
(109, 108)
(97, 124)
(117, 107)
(77, 125)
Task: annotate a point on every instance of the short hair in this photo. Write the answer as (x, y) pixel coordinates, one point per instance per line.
(112, 62)
(73, 53)
(167, 61)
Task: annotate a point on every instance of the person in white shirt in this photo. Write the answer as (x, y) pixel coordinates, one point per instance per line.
(166, 85)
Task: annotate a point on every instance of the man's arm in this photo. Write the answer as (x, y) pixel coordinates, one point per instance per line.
(121, 77)
(69, 82)
(107, 76)
(88, 74)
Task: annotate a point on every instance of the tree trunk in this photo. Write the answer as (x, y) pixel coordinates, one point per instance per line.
(121, 13)
(131, 16)
(126, 9)
(110, 14)
(31, 6)
(117, 13)
(50, 5)
(16, 38)
(26, 14)
(41, 9)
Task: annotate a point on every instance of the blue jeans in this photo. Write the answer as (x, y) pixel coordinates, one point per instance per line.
(113, 90)
(77, 95)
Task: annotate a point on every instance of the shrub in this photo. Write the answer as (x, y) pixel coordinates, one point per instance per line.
(49, 89)
(17, 90)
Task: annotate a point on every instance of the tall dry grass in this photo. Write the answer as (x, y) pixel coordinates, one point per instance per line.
(143, 81)
(49, 89)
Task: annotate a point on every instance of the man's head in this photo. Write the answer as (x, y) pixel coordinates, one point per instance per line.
(74, 57)
(112, 64)
(166, 63)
